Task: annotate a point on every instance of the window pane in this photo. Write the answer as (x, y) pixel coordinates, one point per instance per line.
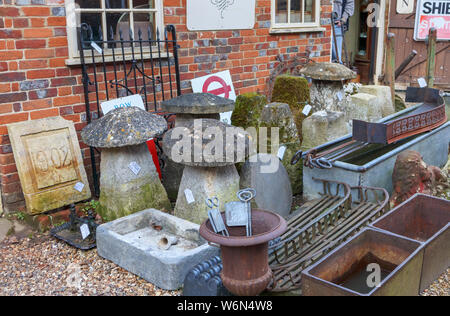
(144, 4)
(116, 4)
(118, 22)
(310, 11)
(94, 21)
(281, 11)
(296, 11)
(144, 21)
(87, 4)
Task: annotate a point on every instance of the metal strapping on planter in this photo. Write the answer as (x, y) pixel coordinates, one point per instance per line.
(322, 227)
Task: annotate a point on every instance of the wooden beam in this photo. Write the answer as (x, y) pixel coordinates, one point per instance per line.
(431, 56)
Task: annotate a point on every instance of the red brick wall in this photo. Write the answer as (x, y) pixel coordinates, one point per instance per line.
(35, 82)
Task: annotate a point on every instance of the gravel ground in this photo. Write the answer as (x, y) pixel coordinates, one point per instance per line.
(46, 266)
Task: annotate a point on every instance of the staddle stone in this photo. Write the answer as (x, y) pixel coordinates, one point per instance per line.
(327, 71)
(189, 107)
(267, 175)
(123, 127)
(129, 181)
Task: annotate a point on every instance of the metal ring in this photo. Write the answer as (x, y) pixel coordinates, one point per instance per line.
(212, 202)
(324, 163)
(296, 158)
(246, 195)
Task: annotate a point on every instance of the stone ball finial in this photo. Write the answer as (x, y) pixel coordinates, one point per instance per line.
(215, 144)
(123, 127)
(327, 72)
(198, 103)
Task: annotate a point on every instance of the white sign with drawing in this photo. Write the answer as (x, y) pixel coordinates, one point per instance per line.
(132, 100)
(210, 15)
(219, 84)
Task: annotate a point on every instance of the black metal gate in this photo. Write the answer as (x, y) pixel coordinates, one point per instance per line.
(142, 63)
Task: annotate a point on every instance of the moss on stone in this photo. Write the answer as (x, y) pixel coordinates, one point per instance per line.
(248, 110)
(294, 91)
(114, 204)
(399, 103)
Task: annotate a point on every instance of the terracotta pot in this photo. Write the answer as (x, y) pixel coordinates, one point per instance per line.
(246, 269)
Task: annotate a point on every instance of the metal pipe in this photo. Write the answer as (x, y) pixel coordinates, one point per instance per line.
(405, 63)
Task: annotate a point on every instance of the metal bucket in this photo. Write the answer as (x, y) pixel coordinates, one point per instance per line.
(433, 146)
(426, 219)
(246, 269)
(347, 271)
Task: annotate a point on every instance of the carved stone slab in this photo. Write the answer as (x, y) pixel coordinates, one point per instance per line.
(49, 163)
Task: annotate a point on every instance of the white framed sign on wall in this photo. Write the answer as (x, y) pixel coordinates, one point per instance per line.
(214, 15)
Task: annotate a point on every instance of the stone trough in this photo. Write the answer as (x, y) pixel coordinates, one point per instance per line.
(347, 271)
(426, 219)
(374, 166)
(154, 245)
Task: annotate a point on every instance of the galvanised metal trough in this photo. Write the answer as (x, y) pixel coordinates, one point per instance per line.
(426, 219)
(348, 270)
(373, 165)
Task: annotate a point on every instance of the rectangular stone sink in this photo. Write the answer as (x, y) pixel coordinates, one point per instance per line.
(132, 242)
(426, 219)
(345, 271)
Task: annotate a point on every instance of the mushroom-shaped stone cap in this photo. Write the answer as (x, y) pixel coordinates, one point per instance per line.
(198, 103)
(327, 72)
(207, 143)
(123, 127)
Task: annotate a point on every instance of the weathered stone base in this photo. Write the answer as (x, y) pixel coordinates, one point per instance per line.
(121, 191)
(220, 182)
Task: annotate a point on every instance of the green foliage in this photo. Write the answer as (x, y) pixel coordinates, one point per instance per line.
(20, 216)
(248, 110)
(90, 206)
(294, 91)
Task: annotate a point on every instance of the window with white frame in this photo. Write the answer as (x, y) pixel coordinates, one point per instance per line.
(295, 14)
(111, 19)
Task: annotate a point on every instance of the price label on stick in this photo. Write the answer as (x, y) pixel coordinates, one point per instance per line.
(85, 232)
(79, 186)
(281, 152)
(134, 167)
(307, 109)
(189, 196)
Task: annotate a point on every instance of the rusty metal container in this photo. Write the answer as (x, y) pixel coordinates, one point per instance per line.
(426, 219)
(246, 269)
(344, 272)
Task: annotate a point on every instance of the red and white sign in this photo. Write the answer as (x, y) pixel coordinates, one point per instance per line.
(219, 84)
(432, 13)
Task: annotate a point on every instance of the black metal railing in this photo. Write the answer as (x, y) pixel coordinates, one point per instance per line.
(127, 64)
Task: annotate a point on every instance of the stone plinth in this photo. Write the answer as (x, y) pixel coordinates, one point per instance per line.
(49, 163)
(323, 127)
(122, 191)
(384, 98)
(204, 183)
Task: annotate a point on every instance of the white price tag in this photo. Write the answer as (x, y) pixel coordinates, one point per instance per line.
(226, 117)
(281, 152)
(134, 167)
(340, 95)
(79, 186)
(307, 109)
(422, 82)
(84, 229)
(189, 196)
(96, 47)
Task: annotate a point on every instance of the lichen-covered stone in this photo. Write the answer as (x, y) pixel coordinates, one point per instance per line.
(198, 140)
(248, 110)
(123, 127)
(278, 115)
(204, 183)
(198, 103)
(122, 192)
(294, 91)
(364, 107)
(384, 98)
(323, 127)
(327, 71)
